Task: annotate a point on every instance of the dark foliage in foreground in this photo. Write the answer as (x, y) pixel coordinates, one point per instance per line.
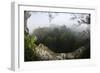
(29, 44)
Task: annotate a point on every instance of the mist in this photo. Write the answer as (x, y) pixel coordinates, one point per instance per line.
(74, 21)
(53, 34)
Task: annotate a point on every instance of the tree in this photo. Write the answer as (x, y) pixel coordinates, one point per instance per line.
(52, 16)
(81, 18)
(27, 14)
(29, 40)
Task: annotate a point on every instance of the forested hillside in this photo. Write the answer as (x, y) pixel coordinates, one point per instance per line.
(57, 42)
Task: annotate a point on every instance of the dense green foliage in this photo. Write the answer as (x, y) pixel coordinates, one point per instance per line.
(29, 44)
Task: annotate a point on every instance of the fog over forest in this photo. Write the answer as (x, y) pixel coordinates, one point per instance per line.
(73, 21)
(58, 32)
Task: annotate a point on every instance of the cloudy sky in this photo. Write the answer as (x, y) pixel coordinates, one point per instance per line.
(42, 19)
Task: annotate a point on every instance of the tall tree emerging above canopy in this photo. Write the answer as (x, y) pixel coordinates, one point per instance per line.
(52, 16)
(81, 18)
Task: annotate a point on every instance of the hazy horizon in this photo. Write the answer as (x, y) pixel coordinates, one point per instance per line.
(42, 19)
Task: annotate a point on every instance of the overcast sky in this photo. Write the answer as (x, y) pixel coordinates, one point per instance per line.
(41, 19)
